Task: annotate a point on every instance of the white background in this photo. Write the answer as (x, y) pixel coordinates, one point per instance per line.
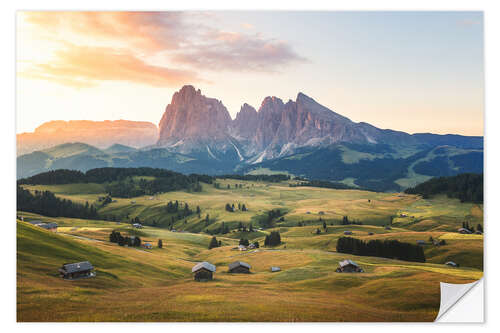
(8, 168)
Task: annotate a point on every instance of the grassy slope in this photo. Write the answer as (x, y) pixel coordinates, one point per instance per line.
(156, 285)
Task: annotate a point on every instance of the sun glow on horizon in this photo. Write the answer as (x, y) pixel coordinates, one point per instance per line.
(413, 72)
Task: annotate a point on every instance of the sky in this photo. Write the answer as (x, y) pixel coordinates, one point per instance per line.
(410, 71)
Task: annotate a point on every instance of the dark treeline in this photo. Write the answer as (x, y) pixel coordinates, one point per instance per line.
(46, 203)
(273, 239)
(265, 178)
(467, 187)
(105, 175)
(392, 249)
(324, 184)
(116, 237)
(120, 181)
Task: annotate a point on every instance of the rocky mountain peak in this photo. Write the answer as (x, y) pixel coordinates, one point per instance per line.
(191, 121)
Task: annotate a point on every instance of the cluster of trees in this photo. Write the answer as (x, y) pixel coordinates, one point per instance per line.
(324, 184)
(120, 181)
(243, 227)
(214, 243)
(469, 227)
(246, 242)
(266, 221)
(273, 239)
(46, 203)
(392, 249)
(266, 178)
(231, 208)
(346, 221)
(467, 187)
(116, 237)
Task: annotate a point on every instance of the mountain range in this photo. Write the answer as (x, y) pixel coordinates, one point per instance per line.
(301, 137)
(101, 134)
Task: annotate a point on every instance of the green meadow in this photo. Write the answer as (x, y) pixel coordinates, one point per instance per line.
(135, 284)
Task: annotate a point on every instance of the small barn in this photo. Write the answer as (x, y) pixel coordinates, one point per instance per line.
(275, 269)
(147, 245)
(203, 271)
(347, 232)
(464, 231)
(239, 267)
(137, 225)
(348, 266)
(77, 270)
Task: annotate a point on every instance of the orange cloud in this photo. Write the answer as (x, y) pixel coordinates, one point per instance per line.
(79, 67)
(150, 31)
(99, 40)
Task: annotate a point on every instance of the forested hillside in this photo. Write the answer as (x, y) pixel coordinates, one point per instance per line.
(467, 187)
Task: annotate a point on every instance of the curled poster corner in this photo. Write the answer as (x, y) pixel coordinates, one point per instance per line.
(454, 299)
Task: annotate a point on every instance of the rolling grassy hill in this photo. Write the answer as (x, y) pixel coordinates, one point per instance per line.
(134, 284)
(156, 285)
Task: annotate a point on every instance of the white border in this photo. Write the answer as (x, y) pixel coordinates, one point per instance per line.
(492, 119)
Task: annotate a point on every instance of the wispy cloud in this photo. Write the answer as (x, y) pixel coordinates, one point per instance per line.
(81, 66)
(120, 46)
(238, 52)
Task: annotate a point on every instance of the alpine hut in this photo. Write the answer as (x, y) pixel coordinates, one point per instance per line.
(77, 270)
(348, 266)
(203, 271)
(239, 267)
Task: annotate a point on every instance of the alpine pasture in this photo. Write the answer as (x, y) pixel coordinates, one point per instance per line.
(137, 284)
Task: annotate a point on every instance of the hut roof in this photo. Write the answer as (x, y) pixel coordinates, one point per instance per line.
(239, 263)
(347, 262)
(451, 263)
(78, 267)
(275, 269)
(206, 265)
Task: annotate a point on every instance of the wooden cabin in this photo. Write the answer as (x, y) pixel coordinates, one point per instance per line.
(203, 271)
(348, 266)
(239, 267)
(77, 270)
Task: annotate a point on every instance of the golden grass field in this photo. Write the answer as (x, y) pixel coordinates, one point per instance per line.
(157, 285)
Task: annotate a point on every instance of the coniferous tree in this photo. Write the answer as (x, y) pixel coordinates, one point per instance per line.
(213, 243)
(160, 244)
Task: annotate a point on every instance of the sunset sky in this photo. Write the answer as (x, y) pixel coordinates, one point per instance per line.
(409, 71)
